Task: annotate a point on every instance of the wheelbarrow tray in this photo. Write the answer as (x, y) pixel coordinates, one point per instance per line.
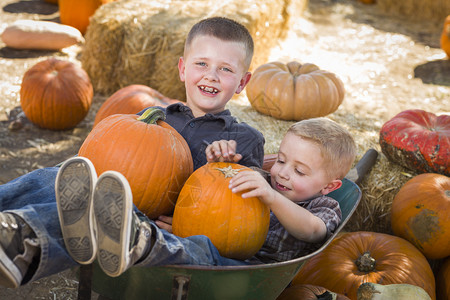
(265, 281)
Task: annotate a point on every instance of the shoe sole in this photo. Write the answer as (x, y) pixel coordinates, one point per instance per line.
(73, 189)
(113, 210)
(10, 275)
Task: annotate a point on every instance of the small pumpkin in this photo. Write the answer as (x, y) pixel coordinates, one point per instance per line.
(420, 213)
(56, 94)
(443, 280)
(354, 258)
(309, 292)
(294, 91)
(418, 140)
(151, 154)
(76, 13)
(399, 291)
(131, 100)
(40, 35)
(206, 206)
(445, 36)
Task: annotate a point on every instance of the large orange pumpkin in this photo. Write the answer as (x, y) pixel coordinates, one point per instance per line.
(354, 258)
(445, 36)
(294, 91)
(206, 206)
(443, 281)
(418, 140)
(56, 94)
(131, 100)
(420, 213)
(76, 13)
(153, 156)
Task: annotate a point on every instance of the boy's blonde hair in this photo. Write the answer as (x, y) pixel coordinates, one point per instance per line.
(337, 146)
(226, 30)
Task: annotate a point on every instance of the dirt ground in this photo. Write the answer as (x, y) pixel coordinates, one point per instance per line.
(387, 63)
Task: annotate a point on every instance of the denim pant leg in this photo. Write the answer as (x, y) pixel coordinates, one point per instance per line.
(170, 249)
(32, 197)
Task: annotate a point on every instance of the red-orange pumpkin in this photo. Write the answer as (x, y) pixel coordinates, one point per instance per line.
(309, 292)
(131, 100)
(76, 13)
(418, 140)
(206, 206)
(56, 94)
(153, 156)
(420, 213)
(443, 281)
(294, 91)
(354, 258)
(445, 36)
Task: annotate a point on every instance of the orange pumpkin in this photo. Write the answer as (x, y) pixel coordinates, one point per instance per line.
(56, 94)
(76, 13)
(309, 292)
(445, 36)
(131, 100)
(418, 140)
(354, 258)
(294, 91)
(153, 156)
(443, 281)
(420, 213)
(206, 206)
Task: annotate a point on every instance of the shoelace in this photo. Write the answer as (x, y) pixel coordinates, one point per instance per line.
(7, 221)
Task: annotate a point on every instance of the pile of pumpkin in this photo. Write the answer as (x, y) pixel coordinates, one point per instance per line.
(415, 139)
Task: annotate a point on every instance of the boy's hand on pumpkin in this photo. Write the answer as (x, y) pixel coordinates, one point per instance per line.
(222, 151)
(164, 222)
(252, 184)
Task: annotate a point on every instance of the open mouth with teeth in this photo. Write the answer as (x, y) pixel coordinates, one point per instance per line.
(281, 187)
(209, 90)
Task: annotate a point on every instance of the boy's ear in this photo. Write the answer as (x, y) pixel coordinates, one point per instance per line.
(331, 186)
(244, 80)
(181, 68)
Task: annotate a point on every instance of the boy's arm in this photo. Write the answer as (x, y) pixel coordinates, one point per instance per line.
(298, 221)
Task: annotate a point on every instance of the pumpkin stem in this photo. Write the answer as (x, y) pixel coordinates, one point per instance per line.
(229, 171)
(365, 262)
(152, 115)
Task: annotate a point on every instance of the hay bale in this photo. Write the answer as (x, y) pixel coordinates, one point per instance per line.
(434, 10)
(140, 41)
(379, 187)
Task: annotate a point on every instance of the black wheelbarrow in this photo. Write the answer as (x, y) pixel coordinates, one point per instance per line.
(212, 282)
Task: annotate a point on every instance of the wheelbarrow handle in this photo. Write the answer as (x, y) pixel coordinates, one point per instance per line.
(357, 173)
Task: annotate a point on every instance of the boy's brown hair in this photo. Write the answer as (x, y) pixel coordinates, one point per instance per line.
(224, 29)
(338, 149)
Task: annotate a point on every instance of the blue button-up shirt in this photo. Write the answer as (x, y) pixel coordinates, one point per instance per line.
(198, 132)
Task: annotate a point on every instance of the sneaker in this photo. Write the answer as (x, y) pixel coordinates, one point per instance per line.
(73, 189)
(18, 247)
(122, 238)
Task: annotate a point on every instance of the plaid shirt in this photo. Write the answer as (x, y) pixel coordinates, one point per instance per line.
(281, 246)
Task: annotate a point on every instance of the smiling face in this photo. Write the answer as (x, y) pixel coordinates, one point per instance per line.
(213, 70)
(299, 172)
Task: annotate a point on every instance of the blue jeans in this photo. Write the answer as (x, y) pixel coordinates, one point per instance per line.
(32, 197)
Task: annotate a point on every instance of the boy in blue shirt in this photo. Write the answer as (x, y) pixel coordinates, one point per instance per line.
(31, 244)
